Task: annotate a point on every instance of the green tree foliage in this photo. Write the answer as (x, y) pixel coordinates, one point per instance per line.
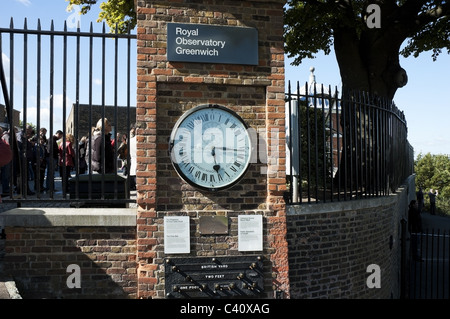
(116, 13)
(367, 53)
(433, 172)
(368, 57)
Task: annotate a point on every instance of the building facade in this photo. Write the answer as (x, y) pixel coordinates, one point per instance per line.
(88, 115)
(4, 121)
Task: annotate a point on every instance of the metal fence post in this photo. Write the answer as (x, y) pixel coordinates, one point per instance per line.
(403, 261)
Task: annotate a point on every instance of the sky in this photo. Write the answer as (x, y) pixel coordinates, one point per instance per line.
(47, 11)
(424, 99)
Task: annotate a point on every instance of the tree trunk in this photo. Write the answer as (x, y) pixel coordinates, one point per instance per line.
(370, 62)
(373, 74)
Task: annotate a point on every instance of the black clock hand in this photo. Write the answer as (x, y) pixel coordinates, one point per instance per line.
(216, 167)
(232, 149)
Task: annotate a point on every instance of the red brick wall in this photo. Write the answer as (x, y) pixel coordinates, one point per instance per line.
(332, 245)
(38, 257)
(166, 90)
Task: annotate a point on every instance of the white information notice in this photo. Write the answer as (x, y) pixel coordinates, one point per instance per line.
(176, 235)
(250, 232)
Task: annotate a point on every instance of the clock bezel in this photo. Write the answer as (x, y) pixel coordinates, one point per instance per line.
(172, 144)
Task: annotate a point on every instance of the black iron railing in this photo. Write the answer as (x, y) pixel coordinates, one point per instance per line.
(342, 147)
(429, 268)
(69, 80)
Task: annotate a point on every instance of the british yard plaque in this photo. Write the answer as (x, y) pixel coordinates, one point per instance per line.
(212, 44)
(218, 277)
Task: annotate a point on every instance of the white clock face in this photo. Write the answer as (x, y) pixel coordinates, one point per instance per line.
(210, 147)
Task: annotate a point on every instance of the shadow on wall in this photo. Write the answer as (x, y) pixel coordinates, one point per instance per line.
(70, 262)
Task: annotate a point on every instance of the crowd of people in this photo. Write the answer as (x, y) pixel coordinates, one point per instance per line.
(34, 157)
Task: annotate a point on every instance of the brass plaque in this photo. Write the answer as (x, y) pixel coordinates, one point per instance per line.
(213, 225)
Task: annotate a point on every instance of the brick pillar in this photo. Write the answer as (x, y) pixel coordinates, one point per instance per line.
(165, 91)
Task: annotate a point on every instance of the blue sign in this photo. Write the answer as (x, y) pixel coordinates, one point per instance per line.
(212, 44)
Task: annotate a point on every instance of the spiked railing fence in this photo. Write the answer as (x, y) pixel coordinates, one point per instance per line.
(344, 147)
